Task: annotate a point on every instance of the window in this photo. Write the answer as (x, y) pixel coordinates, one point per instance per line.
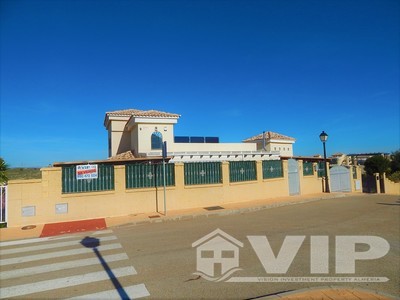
(156, 141)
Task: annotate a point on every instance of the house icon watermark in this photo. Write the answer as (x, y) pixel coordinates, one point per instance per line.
(217, 255)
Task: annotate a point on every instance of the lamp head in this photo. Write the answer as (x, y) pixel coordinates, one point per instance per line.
(323, 136)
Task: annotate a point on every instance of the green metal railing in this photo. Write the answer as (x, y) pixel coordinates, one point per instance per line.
(203, 173)
(308, 168)
(146, 175)
(321, 169)
(104, 181)
(242, 171)
(272, 169)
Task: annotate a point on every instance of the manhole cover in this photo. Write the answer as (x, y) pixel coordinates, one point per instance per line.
(213, 208)
(28, 227)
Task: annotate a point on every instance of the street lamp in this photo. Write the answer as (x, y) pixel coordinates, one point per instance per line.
(324, 137)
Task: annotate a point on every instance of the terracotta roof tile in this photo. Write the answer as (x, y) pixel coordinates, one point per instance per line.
(142, 113)
(123, 156)
(269, 135)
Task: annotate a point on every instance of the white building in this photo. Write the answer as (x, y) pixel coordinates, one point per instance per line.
(273, 142)
(138, 133)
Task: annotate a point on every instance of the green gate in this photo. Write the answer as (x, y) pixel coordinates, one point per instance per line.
(242, 171)
(203, 173)
(148, 175)
(103, 182)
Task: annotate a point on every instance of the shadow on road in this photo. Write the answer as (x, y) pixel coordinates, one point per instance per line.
(91, 242)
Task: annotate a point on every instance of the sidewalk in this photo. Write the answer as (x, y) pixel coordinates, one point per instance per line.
(36, 230)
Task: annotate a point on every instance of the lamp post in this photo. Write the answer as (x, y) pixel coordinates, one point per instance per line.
(324, 137)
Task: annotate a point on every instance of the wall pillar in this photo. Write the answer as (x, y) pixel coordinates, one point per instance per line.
(179, 175)
(378, 185)
(225, 173)
(259, 171)
(119, 177)
(301, 175)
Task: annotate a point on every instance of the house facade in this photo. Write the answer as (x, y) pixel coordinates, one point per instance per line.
(139, 133)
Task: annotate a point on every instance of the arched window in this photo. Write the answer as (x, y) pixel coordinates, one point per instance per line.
(156, 141)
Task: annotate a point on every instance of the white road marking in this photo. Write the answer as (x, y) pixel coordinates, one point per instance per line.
(51, 246)
(23, 259)
(60, 266)
(50, 238)
(47, 285)
(133, 291)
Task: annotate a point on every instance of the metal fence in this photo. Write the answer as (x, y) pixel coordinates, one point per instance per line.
(321, 169)
(104, 181)
(272, 169)
(203, 173)
(308, 168)
(149, 175)
(242, 171)
(3, 204)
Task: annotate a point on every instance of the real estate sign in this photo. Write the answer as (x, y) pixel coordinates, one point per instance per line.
(86, 172)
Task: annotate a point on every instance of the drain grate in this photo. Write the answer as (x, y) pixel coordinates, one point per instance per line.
(213, 208)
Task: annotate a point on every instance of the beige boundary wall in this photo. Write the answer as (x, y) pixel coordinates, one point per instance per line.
(392, 188)
(43, 197)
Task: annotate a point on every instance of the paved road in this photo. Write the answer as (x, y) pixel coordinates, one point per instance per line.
(157, 260)
(163, 254)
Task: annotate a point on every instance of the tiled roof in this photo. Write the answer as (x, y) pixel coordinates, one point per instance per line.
(269, 135)
(123, 156)
(142, 113)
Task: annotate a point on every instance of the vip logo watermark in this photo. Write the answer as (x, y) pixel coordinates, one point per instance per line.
(217, 256)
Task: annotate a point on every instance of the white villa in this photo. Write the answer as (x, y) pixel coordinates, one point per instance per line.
(134, 133)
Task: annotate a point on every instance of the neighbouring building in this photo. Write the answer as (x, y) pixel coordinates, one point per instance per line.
(139, 133)
(273, 142)
(360, 158)
(340, 159)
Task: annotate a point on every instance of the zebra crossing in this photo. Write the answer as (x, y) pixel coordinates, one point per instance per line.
(80, 266)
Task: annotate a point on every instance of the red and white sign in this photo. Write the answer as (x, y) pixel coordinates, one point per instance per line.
(86, 172)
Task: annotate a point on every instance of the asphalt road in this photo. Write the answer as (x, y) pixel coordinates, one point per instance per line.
(165, 260)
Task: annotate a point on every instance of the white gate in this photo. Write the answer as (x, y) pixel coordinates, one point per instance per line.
(340, 179)
(3, 204)
(294, 182)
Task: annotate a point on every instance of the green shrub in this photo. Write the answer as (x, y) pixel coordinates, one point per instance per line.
(395, 177)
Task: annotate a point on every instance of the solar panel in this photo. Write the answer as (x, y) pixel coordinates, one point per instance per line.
(212, 139)
(182, 139)
(197, 139)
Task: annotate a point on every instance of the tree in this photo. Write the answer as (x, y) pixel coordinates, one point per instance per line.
(395, 163)
(3, 169)
(377, 164)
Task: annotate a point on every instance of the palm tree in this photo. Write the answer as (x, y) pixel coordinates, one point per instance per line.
(3, 169)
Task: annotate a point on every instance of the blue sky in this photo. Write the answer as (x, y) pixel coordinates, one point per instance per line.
(230, 68)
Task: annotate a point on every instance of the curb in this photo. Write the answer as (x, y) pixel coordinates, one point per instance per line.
(226, 211)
